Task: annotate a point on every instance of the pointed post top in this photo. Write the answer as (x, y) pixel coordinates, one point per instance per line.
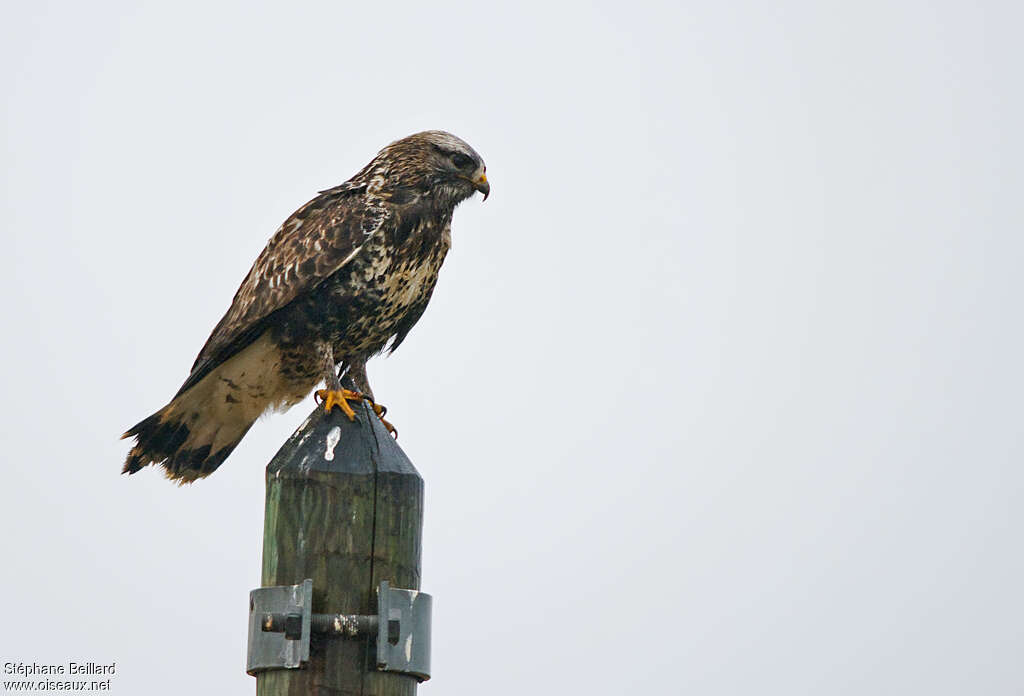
(331, 443)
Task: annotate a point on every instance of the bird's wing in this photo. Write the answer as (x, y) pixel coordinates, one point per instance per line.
(314, 243)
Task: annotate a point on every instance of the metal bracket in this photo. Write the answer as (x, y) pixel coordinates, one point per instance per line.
(403, 631)
(281, 622)
(271, 650)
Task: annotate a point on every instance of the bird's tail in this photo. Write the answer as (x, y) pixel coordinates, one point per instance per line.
(189, 437)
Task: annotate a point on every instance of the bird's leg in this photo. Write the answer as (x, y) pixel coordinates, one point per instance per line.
(357, 373)
(335, 394)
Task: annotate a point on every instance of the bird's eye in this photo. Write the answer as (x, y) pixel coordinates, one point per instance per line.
(461, 161)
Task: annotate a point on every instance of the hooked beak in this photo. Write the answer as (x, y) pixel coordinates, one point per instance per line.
(480, 184)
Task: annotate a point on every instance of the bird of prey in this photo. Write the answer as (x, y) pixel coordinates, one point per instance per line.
(343, 279)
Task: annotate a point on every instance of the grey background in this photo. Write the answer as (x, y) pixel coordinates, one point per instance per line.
(719, 393)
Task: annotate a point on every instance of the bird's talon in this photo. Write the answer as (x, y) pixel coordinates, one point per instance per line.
(380, 410)
(340, 398)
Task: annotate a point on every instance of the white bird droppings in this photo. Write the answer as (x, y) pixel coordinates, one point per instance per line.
(332, 441)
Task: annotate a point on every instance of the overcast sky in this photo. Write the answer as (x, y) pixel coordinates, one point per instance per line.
(719, 392)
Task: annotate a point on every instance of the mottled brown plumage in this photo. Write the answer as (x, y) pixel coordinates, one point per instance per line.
(344, 278)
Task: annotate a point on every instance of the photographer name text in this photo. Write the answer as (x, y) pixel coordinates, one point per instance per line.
(30, 669)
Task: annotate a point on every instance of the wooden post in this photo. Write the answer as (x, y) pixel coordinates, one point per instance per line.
(344, 507)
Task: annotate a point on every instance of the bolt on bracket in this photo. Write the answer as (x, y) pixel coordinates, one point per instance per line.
(281, 622)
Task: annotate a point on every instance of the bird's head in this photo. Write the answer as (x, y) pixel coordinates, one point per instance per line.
(434, 163)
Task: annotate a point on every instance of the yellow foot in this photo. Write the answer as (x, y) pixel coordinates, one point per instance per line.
(380, 411)
(334, 397)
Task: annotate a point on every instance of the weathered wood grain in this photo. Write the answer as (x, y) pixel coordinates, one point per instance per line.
(344, 507)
